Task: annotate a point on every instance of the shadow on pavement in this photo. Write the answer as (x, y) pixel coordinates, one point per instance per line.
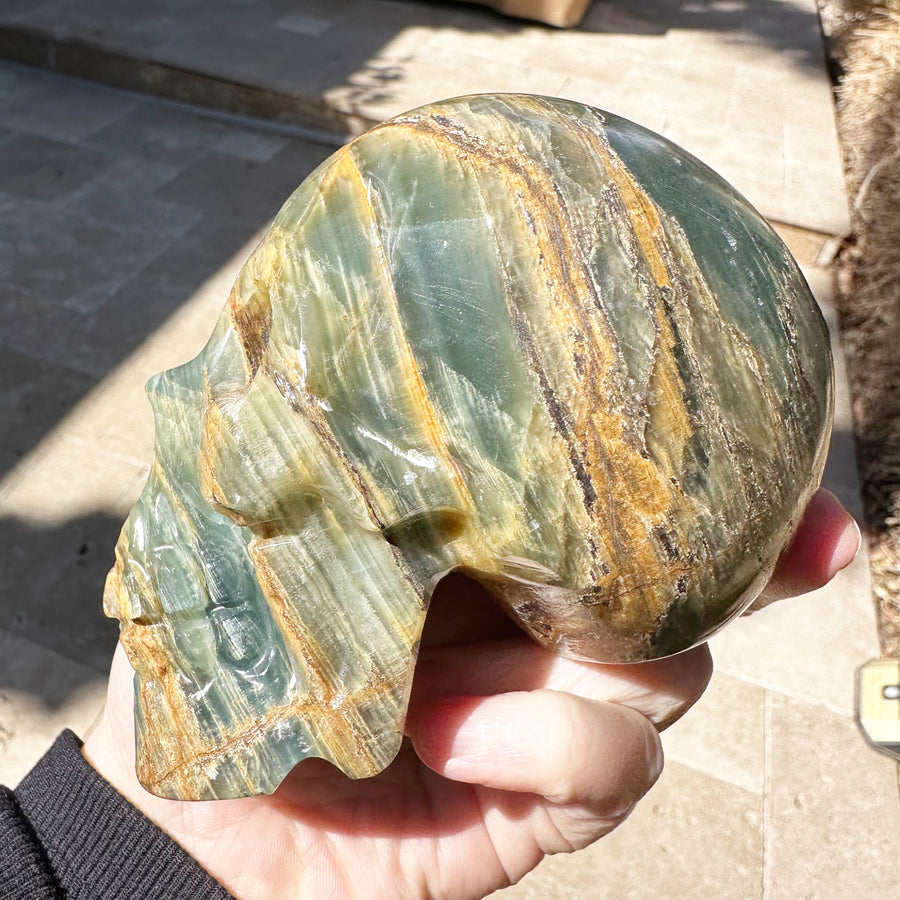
(57, 575)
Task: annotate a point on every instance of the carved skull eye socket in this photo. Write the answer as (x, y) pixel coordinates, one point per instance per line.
(504, 335)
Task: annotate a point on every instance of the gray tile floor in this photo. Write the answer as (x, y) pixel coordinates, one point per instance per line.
(123, 221)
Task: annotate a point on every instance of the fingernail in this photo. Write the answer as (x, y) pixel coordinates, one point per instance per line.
(846, 550)
(655, 757)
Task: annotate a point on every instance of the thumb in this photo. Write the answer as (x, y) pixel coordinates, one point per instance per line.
(574, 751)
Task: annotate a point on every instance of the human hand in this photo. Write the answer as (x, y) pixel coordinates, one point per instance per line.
(513, 753)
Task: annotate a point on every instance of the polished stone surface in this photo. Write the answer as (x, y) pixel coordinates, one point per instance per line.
(504, 334)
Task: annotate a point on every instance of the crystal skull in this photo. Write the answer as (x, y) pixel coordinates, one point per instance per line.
(507, 335)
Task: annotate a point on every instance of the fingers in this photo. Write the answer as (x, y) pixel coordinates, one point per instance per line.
(661, 690)
(575, 752)
(826, 541)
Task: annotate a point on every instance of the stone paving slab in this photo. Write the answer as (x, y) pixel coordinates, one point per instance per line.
(741, 85)
(769, 792)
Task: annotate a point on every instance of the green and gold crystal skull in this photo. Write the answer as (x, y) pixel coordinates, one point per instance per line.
(507, 335)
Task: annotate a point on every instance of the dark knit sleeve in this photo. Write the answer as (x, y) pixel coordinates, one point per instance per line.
(24, 871)
(67, 833)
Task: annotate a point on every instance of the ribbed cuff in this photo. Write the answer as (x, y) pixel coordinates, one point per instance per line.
(96, 843)
(24, 870)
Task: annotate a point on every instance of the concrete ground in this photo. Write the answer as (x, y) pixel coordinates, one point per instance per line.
(124, 219)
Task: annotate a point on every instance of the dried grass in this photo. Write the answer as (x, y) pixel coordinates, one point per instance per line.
(866, 40)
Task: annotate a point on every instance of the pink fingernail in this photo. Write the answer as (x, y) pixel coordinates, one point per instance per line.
(846, 550)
